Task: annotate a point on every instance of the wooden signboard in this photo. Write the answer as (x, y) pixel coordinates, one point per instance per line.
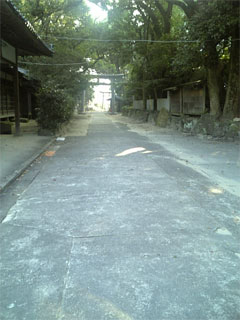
(8, 52)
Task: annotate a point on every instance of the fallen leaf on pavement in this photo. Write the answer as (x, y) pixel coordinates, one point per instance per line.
(49, 153)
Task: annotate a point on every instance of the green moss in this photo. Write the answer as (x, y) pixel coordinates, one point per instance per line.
(162, 118)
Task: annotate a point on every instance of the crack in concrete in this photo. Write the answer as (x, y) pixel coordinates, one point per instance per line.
(95, 236)
(61, 232)
(60, 314)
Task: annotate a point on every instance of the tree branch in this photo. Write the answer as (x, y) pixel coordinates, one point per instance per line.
(165, 14)
(149, 11)
(182, 5)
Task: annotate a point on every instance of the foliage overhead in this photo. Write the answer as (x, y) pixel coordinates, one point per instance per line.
(155, 43)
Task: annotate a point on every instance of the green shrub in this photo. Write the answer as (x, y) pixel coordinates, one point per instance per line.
(126, 110)
(55, 108)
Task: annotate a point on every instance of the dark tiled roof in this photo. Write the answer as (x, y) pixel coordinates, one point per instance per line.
(186, 84)
(18, 32)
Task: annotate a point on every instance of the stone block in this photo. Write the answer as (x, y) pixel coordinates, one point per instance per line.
(232, 130)
(162, 118)
(6, 127)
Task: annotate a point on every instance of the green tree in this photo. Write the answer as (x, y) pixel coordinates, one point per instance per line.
(61, 23)
(215, 24)
(146, 64)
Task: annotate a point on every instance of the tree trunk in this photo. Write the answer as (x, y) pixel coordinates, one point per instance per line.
(214, 92)
(213, 75)
(166, 15)
(144, 98)
(155, 98)
(232, 101)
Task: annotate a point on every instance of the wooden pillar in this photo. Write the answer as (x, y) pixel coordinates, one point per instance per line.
(204, 100)
(29, 96)
(181, 100)
(144, 97)
(113, 96)
(17, 97)
(83, 100)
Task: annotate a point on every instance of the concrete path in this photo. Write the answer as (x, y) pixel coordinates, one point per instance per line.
(217, 160)
(17, 153)
(112, 226)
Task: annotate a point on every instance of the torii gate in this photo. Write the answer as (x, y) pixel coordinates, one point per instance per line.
(112, 78)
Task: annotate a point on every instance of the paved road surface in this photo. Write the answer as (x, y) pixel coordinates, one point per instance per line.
(112, 226)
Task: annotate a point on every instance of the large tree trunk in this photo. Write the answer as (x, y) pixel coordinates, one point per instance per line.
(232, 101)
(166, 15)
(213, 73)
(214, 91)
(144, 97)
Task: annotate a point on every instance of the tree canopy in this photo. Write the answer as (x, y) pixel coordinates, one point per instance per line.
(155, 43)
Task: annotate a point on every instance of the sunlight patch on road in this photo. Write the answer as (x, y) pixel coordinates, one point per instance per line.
(109, 307)
(223, 231)
(215, 190)
(130, 151)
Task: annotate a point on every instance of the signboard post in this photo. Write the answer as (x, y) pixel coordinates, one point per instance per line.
(17, 97)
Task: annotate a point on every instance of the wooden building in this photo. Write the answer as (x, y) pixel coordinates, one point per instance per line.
(18, 38)
(188, 98)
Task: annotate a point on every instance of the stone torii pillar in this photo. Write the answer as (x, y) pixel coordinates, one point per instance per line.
(113, 97)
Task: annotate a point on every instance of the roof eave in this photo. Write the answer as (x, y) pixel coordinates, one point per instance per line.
(18, 32)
